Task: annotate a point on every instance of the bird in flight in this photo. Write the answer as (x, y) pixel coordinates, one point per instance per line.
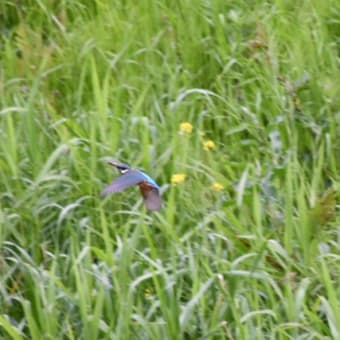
(148, 187)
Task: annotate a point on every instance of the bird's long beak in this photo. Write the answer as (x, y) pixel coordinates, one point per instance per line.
(113, 163)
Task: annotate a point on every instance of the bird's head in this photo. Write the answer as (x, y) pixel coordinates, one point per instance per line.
(122, 168)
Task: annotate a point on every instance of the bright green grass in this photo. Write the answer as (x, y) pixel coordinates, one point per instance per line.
(81, 81)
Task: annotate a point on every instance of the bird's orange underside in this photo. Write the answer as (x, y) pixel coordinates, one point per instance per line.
(145, 186)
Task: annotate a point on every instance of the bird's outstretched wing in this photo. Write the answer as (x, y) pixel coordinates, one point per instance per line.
(132, 177)
(151, 197)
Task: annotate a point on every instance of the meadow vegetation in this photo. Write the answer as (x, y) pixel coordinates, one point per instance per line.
(232, 106)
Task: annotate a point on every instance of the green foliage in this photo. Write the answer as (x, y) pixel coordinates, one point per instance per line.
(246, 246)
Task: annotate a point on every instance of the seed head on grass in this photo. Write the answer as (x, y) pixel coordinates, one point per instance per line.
(178, 178)
(148, 294)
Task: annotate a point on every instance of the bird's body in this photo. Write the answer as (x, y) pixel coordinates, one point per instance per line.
(148, 187)
(149, 180)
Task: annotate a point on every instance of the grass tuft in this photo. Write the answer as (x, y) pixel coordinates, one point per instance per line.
(233, 108)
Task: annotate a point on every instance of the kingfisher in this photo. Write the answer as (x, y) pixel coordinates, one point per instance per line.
(148, 187)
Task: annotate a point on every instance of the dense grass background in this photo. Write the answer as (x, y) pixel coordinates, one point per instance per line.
(81, 81)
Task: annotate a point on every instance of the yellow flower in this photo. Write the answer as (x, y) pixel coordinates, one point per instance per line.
(178, 178)
(185, 127)
(217, 186)
(209, 145)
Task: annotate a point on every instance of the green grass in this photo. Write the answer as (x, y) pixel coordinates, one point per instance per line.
(82, 81)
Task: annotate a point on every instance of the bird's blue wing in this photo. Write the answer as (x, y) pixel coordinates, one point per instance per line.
(151, 197)
(132, 177)
(150, 180)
